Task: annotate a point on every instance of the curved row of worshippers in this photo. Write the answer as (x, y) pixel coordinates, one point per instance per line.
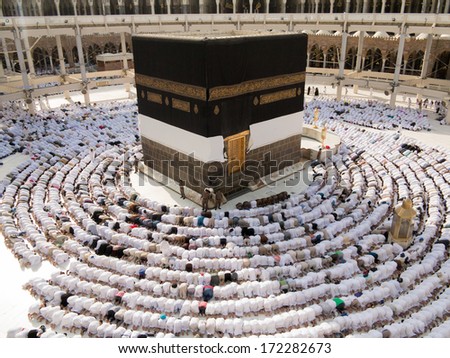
(316, 265)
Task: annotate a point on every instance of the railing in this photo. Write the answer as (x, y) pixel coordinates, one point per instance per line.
(435, 23)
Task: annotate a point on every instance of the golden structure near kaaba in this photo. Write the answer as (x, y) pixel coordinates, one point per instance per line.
(403, 224)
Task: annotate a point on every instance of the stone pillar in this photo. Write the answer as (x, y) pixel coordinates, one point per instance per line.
(234, 6)
(341, 77)
(447, 6)
(360, 51)
(316, 7)
(398, 65)
(302, 5)
(169, 10)
(426, 57)
(52, 68)
(331, 6)
(20, 7)
(106, 7)
(267, 3)
(250, 4)
(184, 6)
(85, 89)
(74, 4)
(217, 6)
(359, 57)
(6, 54)
(374, 8)
(424, 6)
(91, 6)
(283, 6)
(405, 63)
(58, 11)
(39, 8)
(347, 6)
(383, 6)
(433, 6)
(365, 6)
(201, 6)
(402, 9)
(125, 61)
(152, 5)
(358, 6)
(23, 70)
(136, 7)
(383, 63)
(26, 42)
(121, 5)
(62, 65)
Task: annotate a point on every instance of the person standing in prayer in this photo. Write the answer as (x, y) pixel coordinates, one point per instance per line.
(205, 198)
(324, 135)
(181, 183)
(219, 199)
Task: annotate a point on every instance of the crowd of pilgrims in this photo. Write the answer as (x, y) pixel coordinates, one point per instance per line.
(315, 264)
(368, 113)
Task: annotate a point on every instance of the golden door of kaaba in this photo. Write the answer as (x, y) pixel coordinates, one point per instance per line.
(236, 148)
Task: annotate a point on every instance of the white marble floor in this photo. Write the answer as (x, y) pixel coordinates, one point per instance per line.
(14, 301)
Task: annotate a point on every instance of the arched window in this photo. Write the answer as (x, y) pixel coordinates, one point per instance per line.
(127, 47)
(160, 7)
(110, 48)
(144, 8)
(441, 66)
(374, 60)
(414, 64)
(129, 7)
(41, 61)
(66, 7)
(332, 57)
(114, 7)
(292, 6)
(350, 60)
(316, 57)
(55, 57)
(93, 51)
(226, 6)
(76, 58)
(259, 6)
(49, 8)
(97, 7)
(390, 62)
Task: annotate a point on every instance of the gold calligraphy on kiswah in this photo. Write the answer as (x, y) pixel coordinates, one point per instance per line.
(181, 105)
(278, 96)
(178, 88)
(220, 92)
(154, 97)
(261, 84)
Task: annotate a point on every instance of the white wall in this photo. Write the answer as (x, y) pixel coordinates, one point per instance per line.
(202, 148)
(211, 149)
(275, 129)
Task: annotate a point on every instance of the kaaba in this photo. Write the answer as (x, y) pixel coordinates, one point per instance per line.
(220, 110)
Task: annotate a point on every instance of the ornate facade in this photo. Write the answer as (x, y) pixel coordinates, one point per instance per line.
(111, 7)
